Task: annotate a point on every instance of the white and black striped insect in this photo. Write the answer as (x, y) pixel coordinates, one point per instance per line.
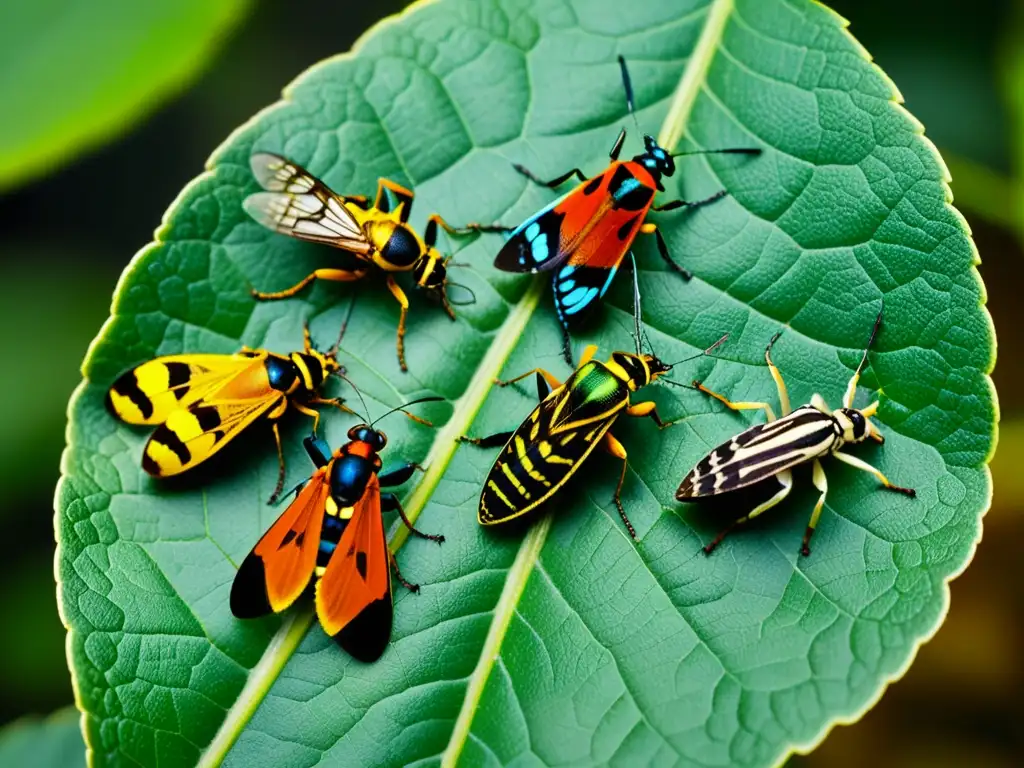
(809, 433)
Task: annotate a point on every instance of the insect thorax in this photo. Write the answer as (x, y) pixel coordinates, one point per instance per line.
(396, 248)
(349, 476)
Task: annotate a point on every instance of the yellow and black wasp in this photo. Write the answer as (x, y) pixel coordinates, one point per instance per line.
(771, 450)
(573, 418)
(297, 203)
(201, 402)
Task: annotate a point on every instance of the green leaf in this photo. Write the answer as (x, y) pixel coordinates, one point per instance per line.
(568, 643)
(55, 742)
(77, 72)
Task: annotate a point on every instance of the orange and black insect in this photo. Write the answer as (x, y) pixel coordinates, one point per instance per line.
(583, 236)
(333, 534)
(377, 237)
(200, 402)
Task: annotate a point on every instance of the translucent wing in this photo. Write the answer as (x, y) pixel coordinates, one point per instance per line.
(297, 203)
(280, 566)
(353, 597)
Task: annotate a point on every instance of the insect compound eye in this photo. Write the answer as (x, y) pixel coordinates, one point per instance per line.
(380, 441)
(354, 432)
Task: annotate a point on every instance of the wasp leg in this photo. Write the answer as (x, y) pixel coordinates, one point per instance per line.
(337, 275)
(785, 478)
(555, 182)
(742, 406)
(649, 409)
(401, 197)
(649, 228)
(821, 483)
(389, 503)
(399, 475)
(674, 204)
(280, 466)
(311, 412)
(549, 377)
(853, 461)
(399, 295)
(401, 580)
(616, 449)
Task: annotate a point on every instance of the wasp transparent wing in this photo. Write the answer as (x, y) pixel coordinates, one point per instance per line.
(297, 203)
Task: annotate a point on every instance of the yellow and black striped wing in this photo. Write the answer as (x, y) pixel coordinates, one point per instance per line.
(149, 393)
(761, 452)
(553, 442)
(190, 436)
(297, 203)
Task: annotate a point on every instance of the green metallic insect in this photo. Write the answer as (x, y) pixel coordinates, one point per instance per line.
(572, 419)
(771, 450)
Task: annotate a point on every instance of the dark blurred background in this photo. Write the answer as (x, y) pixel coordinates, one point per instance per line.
(65, 238)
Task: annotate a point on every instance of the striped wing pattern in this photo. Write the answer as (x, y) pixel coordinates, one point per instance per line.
(297, 203)
(552, 443)
(760, 452)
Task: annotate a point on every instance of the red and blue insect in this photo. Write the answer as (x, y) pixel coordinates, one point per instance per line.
(583, 236)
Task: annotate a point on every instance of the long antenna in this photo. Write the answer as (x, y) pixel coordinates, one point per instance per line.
(730, 151)
(628, 85)
(707, 351)
(366, 410)
(636, 306)
(851, 388)
(333, 351)
(432, 399)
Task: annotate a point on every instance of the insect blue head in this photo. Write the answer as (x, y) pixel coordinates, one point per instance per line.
(364, 433)
(655, 159)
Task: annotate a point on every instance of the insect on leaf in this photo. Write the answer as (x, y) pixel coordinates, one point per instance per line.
(564, 643)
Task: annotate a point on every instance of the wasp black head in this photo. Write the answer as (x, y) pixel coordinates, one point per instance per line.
(430, 271)
(655, 159)
(364, 433)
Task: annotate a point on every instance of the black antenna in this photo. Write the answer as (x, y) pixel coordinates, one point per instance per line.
(366, 410)
(707, 351)
(402, 407)
(467, 289)
(333, 351)
(730, 151)
(628, 85)
(637, 331)
(874, 332)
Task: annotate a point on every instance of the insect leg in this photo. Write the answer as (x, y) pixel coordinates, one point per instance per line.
(649, 409)
(401, 580)
(672, 205)
(399, 295)
(392, 197)
(785, 478)
(435, 221)
(649, 228)
(616, 449)
(617, 146)
(853, 461)
(777, 376)
(741, 406)
(496, 440)
(335, 402)
(338, 275)
(549, 377)
(821, 483)
(399, 475)
(389, 502)
(359, 201)
(280, 466)
(557, 181)
(311, 412)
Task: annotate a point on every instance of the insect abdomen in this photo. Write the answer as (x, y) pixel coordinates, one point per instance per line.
(760, 452)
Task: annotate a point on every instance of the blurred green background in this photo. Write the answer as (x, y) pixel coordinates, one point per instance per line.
(70, 222)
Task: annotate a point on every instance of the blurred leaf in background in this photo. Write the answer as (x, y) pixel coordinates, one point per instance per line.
(53, 742)
(79, 72)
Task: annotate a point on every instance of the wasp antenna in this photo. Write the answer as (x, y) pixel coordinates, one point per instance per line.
(627, 84)
(467, 289)
(707, 351)
(403, 406)
(851, 389)
(333, 351)
(679, 384)
(729, 151)
(637, 331)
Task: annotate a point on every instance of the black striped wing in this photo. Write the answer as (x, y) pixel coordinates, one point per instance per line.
(760, 452)
(552, 443)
